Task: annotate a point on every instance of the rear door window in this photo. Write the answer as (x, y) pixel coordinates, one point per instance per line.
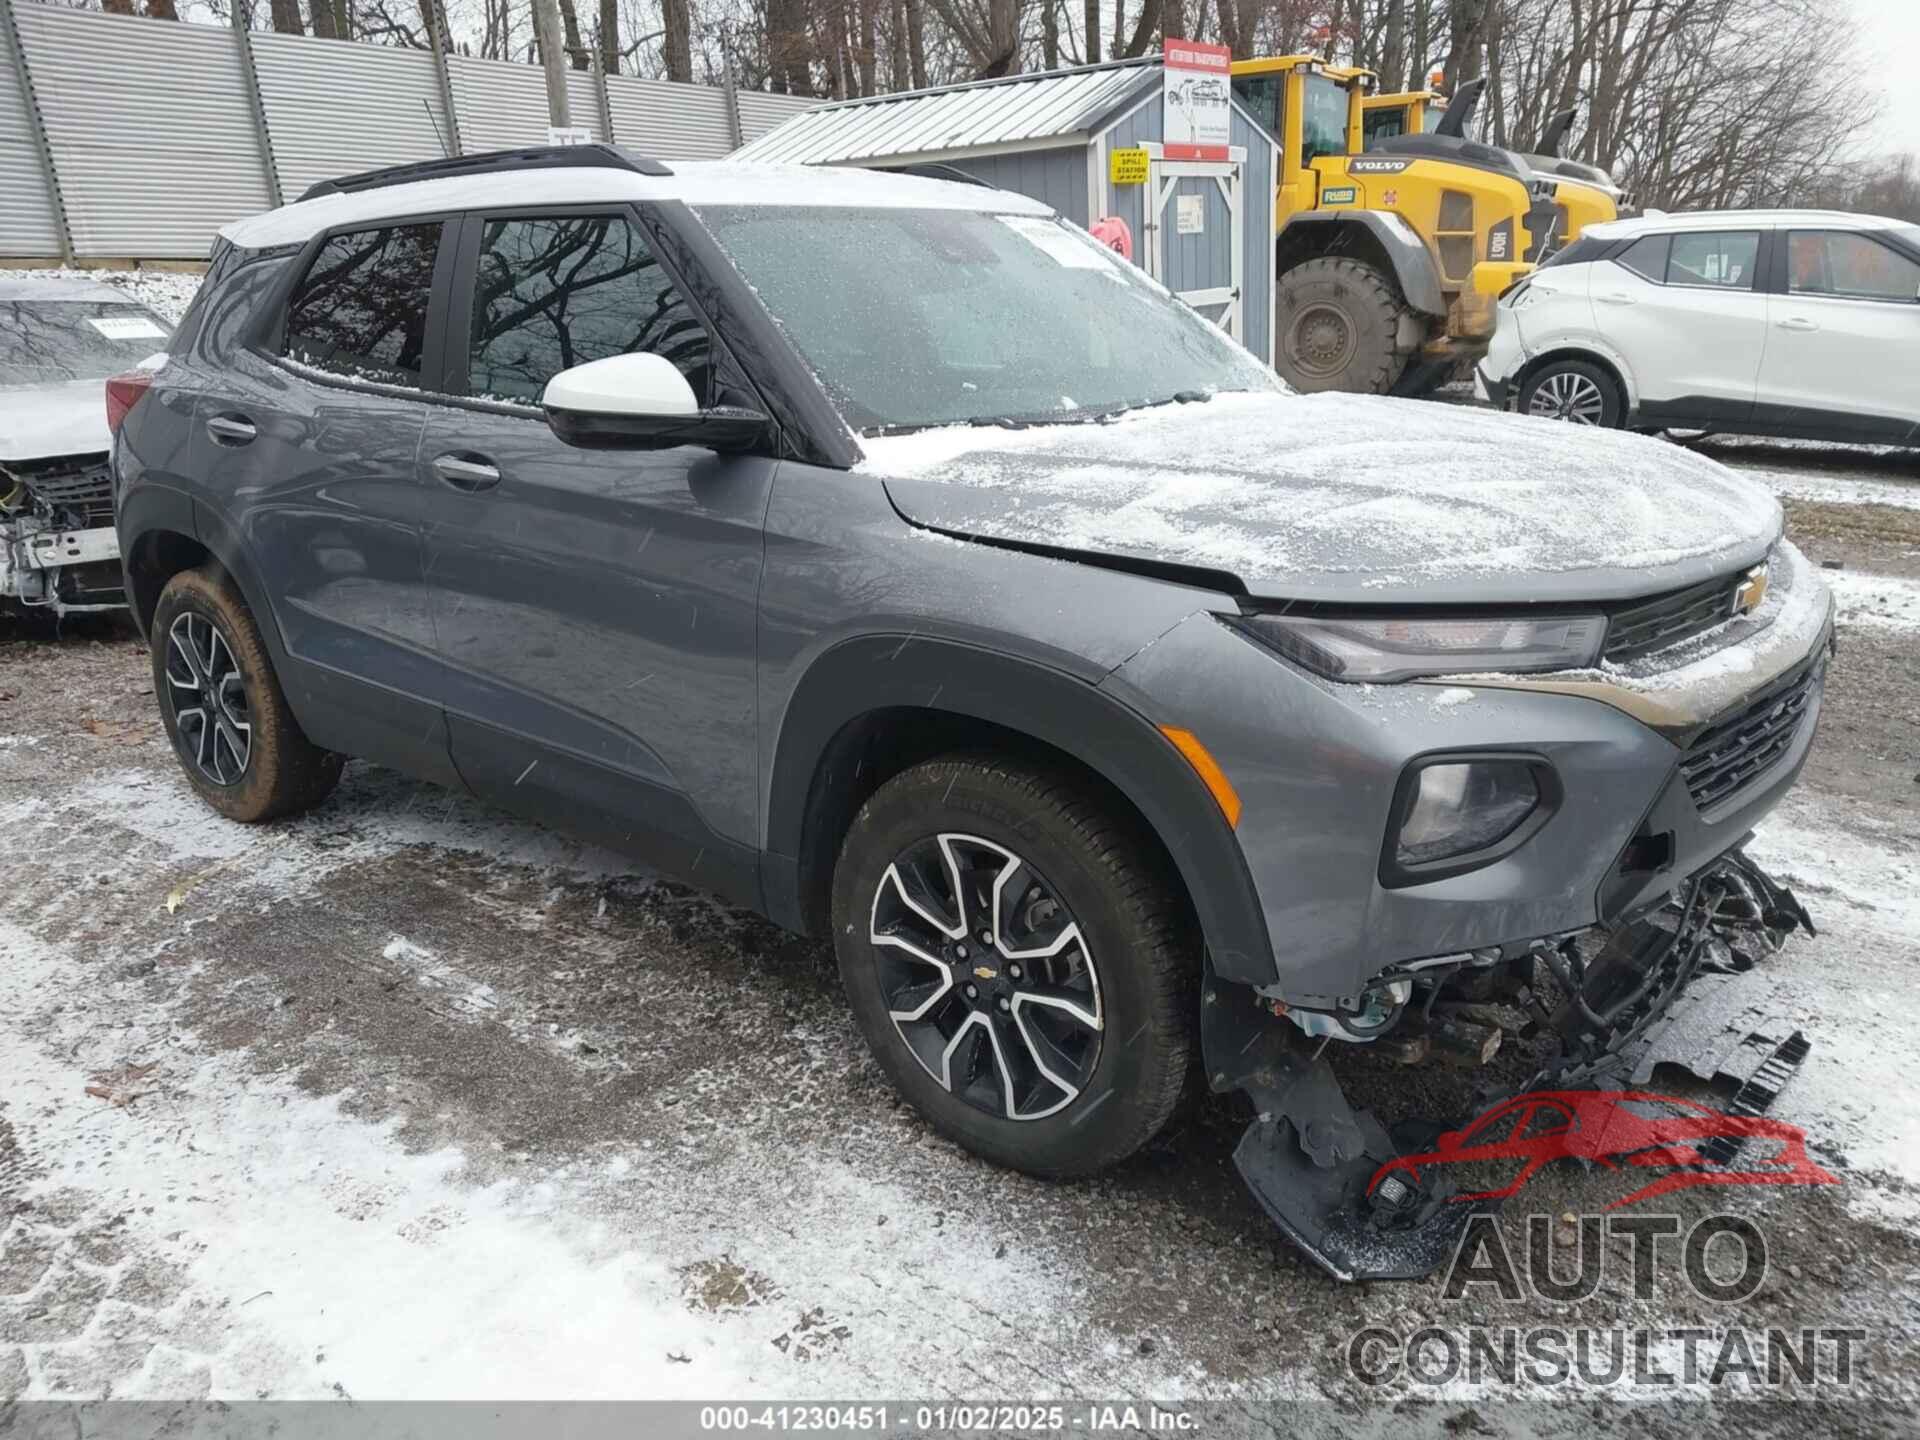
(1850, 266)
(1721, 261)
(360, 311)
(552, 292)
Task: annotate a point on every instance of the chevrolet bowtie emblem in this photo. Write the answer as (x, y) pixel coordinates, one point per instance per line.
(1752, 591)
(983, 972)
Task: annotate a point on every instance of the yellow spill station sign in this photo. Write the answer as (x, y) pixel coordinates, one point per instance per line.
(1127, 167)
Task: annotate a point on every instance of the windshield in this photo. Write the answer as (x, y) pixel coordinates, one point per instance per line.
(1325, 123)
(47, 341)
(914, 317)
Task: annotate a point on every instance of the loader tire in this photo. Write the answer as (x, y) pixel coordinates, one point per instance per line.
(1338, 323)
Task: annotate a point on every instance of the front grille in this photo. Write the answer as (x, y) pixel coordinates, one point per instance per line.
(1668, 619)
(78, 481)
(1734, 753)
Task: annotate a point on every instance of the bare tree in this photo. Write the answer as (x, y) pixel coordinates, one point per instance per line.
(678, 40)
(610, 36)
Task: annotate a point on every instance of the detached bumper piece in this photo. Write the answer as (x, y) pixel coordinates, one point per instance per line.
(1628, 1005)
(1309, 1156)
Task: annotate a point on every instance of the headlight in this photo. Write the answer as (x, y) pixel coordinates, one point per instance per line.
(1403, 647)
(1472, 809)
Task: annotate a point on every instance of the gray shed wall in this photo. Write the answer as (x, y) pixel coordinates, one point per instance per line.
(1056, 177)
(1196, 262)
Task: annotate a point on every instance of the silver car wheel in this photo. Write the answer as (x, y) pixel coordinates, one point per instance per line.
(987, 976)
(209, 699)
(1571, 396)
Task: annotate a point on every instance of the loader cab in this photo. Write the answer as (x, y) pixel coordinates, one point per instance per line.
(1327, 113)
(1407, 112)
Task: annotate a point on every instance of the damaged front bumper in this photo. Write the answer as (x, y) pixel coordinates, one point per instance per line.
(1604, 1007)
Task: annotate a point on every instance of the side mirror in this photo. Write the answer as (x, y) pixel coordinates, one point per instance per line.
(641, 402)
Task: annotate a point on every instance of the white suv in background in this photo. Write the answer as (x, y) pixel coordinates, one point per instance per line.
(1765, 322)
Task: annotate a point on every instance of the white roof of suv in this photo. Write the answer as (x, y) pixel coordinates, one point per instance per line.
(1660, 224)
(696, 182)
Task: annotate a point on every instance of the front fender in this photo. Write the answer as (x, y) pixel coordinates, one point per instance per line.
(1413, 267)
(883, 671)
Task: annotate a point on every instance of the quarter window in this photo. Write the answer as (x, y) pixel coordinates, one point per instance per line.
(1646, 257)
(1837, 262)
(1721, 261)
(361, 310)
(552, 293)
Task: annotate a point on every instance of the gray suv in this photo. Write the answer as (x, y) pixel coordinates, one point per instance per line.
(885, 556)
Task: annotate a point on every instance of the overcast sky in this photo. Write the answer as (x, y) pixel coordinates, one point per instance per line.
(1890, 46)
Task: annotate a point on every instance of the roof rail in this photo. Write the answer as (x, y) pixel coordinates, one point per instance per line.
(936, 171)
(534, 157)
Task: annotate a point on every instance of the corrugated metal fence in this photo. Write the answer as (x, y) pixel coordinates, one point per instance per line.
(130, 138)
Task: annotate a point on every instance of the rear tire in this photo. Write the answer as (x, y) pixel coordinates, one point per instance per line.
(1338, 324)
(1574, 391)
(1042, 864)
(222, 705)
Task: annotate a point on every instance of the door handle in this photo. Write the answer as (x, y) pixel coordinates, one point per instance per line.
(231, 430)
(467, 472)
(1616, 298)
(1798, 322)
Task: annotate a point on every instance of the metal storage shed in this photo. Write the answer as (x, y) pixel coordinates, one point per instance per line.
(1050, 135)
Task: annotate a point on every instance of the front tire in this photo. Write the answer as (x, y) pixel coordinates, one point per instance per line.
(1574, 391)
(223, 708)
(1339, 324)
(1020, 961)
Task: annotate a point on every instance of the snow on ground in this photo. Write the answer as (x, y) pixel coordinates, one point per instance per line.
(1839, 489)
(273, 1244)
(165, 292)
(1885, 601)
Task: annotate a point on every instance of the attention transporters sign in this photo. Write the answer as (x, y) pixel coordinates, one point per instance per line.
(1197, 78)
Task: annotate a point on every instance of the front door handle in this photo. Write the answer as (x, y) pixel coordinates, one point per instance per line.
(1798, 322)
(1616, 298)
(231, 430)
(467, 472)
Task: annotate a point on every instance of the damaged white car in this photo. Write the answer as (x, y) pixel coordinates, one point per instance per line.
(59, 341)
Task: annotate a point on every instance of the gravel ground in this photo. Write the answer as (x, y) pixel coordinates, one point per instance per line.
(407, 1098)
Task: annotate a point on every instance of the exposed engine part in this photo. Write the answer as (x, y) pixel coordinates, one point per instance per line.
(1310, 1158)
(58, 548)
(1373, 1015)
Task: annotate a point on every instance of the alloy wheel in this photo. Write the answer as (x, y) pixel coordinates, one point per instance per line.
(209, 698)
(987, 976)
(1569, 396)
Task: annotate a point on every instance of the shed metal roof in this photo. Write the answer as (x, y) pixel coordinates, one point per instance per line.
(1048, 106)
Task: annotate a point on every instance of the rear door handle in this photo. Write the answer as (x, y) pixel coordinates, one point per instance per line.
(467, 472)
(1798, 322)
(1616, 298)
(231, 429)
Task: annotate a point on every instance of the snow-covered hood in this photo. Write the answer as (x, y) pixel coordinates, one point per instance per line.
(1346, 498)
(38, 422)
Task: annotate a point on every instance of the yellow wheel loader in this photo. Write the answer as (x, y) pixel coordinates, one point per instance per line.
(1586, 192)
(1387, 263)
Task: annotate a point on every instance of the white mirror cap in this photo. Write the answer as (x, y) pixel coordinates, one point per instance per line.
(623, 385)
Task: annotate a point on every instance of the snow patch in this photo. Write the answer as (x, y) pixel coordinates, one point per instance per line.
(1305, 494)
(1882, 601)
